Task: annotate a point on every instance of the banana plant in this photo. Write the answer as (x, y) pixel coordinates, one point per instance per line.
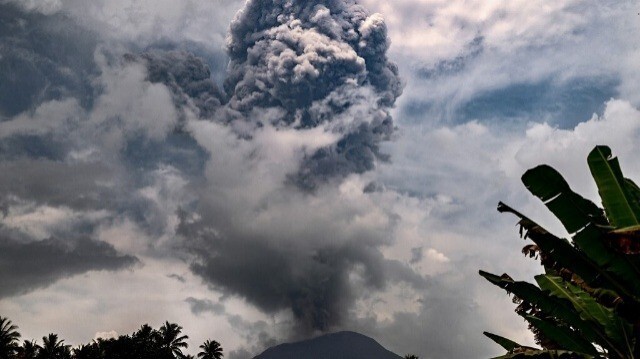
(587, 302)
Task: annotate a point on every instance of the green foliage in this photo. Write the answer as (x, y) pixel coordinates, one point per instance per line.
(52, 348)
(621, 206)
(587, 304)
(172, 341)
(211, 349)
(8, 338)
(146, 343)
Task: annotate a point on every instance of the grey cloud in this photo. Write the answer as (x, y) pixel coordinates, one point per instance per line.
(178, 150)
(177, 277)
(56, 183)
(254, 333)
(199, 306)
(450, 67)
(44, 147)
(43, 58)
(447, 325)
(416, 255)
(81, 187)
(241, 353)
(311, 60)
(26, 266)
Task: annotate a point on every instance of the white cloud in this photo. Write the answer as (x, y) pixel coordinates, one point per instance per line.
(43, 221)
(50, 117)
(130, 105)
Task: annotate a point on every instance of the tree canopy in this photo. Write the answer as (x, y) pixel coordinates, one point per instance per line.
(167, 342)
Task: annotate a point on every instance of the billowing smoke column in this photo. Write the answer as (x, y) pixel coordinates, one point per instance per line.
(322, 63)
(297, 66)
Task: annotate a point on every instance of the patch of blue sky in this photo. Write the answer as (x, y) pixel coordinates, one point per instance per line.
(563, 104)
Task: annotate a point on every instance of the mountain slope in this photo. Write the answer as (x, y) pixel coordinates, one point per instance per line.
(341, 345)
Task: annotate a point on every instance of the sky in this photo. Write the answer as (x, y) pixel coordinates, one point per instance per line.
(267, 171)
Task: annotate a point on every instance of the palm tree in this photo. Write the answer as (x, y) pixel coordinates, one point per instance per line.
(147, 342)
(171, 340)
(28, 350)
(8, 338)
(88, 351)
(211, 349)
(52, 348)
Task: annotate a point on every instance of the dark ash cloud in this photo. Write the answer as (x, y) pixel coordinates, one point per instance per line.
(355, 152)
(320, 63)
(188, 77)
(312, 278)
(294, 66)
(25, 266)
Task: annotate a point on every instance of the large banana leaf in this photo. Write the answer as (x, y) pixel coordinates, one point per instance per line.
(545, 354)
(589, 313)
(551, 306)
(508, 344)
(565, 337)
(569, 257)
(618, 333)
(574, 211)
(618, 196)
(591, 240)
(580, 215)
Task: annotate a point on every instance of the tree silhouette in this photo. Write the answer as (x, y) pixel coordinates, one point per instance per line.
(28, 350)
(8, 338)
(211, 349)
(52, 348)
(171, 339)
(89, 351)
(145, 343)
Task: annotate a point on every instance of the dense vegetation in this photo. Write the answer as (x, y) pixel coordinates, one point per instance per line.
(167, 342)
(587, 303)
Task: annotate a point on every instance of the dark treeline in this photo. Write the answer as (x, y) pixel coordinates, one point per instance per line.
(167, 342)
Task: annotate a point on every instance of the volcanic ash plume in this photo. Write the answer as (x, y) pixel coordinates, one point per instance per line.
(320, 63)
(311, 78)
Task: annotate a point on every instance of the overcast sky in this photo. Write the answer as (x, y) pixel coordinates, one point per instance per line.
(266, 171)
